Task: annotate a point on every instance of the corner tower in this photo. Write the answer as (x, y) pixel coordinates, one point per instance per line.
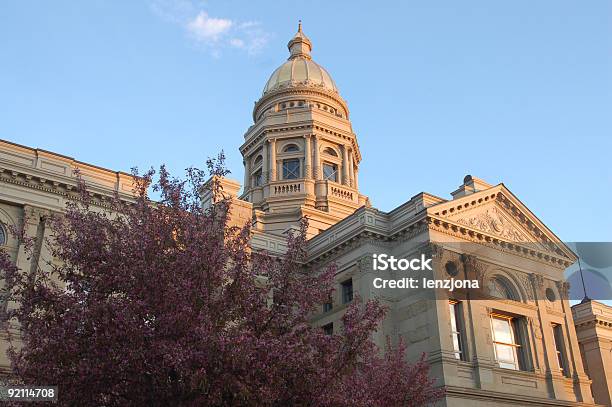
(301, 157)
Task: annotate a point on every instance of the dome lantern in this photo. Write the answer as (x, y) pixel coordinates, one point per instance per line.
(300, 45)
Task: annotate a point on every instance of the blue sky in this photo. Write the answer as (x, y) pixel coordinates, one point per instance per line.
(517, 92)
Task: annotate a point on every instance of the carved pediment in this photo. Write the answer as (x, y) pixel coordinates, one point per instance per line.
(494, 222)
(497, 213)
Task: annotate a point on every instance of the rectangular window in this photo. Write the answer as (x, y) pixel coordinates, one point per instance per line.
(504, 342)
(456, 329)
(330, 172)
(347, 291)
(559, 343)
(328, 306)
(258, 178)
(328, 329)
(291, 169)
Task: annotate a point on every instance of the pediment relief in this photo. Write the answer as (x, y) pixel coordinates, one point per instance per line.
(497, 213)
(493, 221)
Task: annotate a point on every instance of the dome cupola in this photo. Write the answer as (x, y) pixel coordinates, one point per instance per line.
(300, 69)
(301, 157)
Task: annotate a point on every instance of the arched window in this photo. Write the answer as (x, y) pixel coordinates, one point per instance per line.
(2, 235)
(500, 287)
(291, 148)
(258, 160)
(330, 151)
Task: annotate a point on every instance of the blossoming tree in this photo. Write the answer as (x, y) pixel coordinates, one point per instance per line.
(163, 303)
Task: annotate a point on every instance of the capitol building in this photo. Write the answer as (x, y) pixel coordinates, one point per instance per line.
(516, 342)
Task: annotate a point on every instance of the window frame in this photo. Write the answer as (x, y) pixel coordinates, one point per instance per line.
(559, 342)
(347, 295)
(456, 320)
(335, 172)
(330, 152)
(286, 171)
(514, 346)
(258, 178)
(291, 148)
(328, 305)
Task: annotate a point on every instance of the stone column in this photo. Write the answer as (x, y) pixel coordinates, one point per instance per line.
(356, 175)
(247, 174)
(351, 171)
(345, 180)
(273, 160)
(265, 171)
(317, 163)
(307, 158)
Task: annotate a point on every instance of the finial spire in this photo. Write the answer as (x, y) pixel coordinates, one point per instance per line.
(300, 45)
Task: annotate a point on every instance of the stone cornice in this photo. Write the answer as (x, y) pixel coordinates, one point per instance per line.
(300, 89)
(310, 126)
(55, 174)
(464, 232)
(66, 190)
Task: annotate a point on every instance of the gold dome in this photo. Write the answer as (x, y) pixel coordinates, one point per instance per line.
(300, 69)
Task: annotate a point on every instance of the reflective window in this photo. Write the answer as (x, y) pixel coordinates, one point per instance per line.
(330, 172)
(456, 328)
(504, 343)
(558, 339)
(291, 169)
(291, 148)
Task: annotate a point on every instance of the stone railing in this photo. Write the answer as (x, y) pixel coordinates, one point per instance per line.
(290, 187)
(341, 192)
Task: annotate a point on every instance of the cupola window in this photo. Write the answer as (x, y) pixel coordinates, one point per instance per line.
(291, 169)
(258, 178)
(291, 148)
(330, 172)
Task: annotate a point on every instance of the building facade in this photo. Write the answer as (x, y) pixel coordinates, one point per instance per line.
(513, 342)
(594, 329)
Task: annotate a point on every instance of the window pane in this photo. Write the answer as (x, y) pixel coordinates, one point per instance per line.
(502, 332)
(558, 339)
(291, 169)
(258, 178)
(457, 345)
(330, 172)
(453, 317)
(454, 310)
(347, 291)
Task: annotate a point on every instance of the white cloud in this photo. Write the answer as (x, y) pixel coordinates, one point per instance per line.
(208, 29)
(212, 33)
(237, 43)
